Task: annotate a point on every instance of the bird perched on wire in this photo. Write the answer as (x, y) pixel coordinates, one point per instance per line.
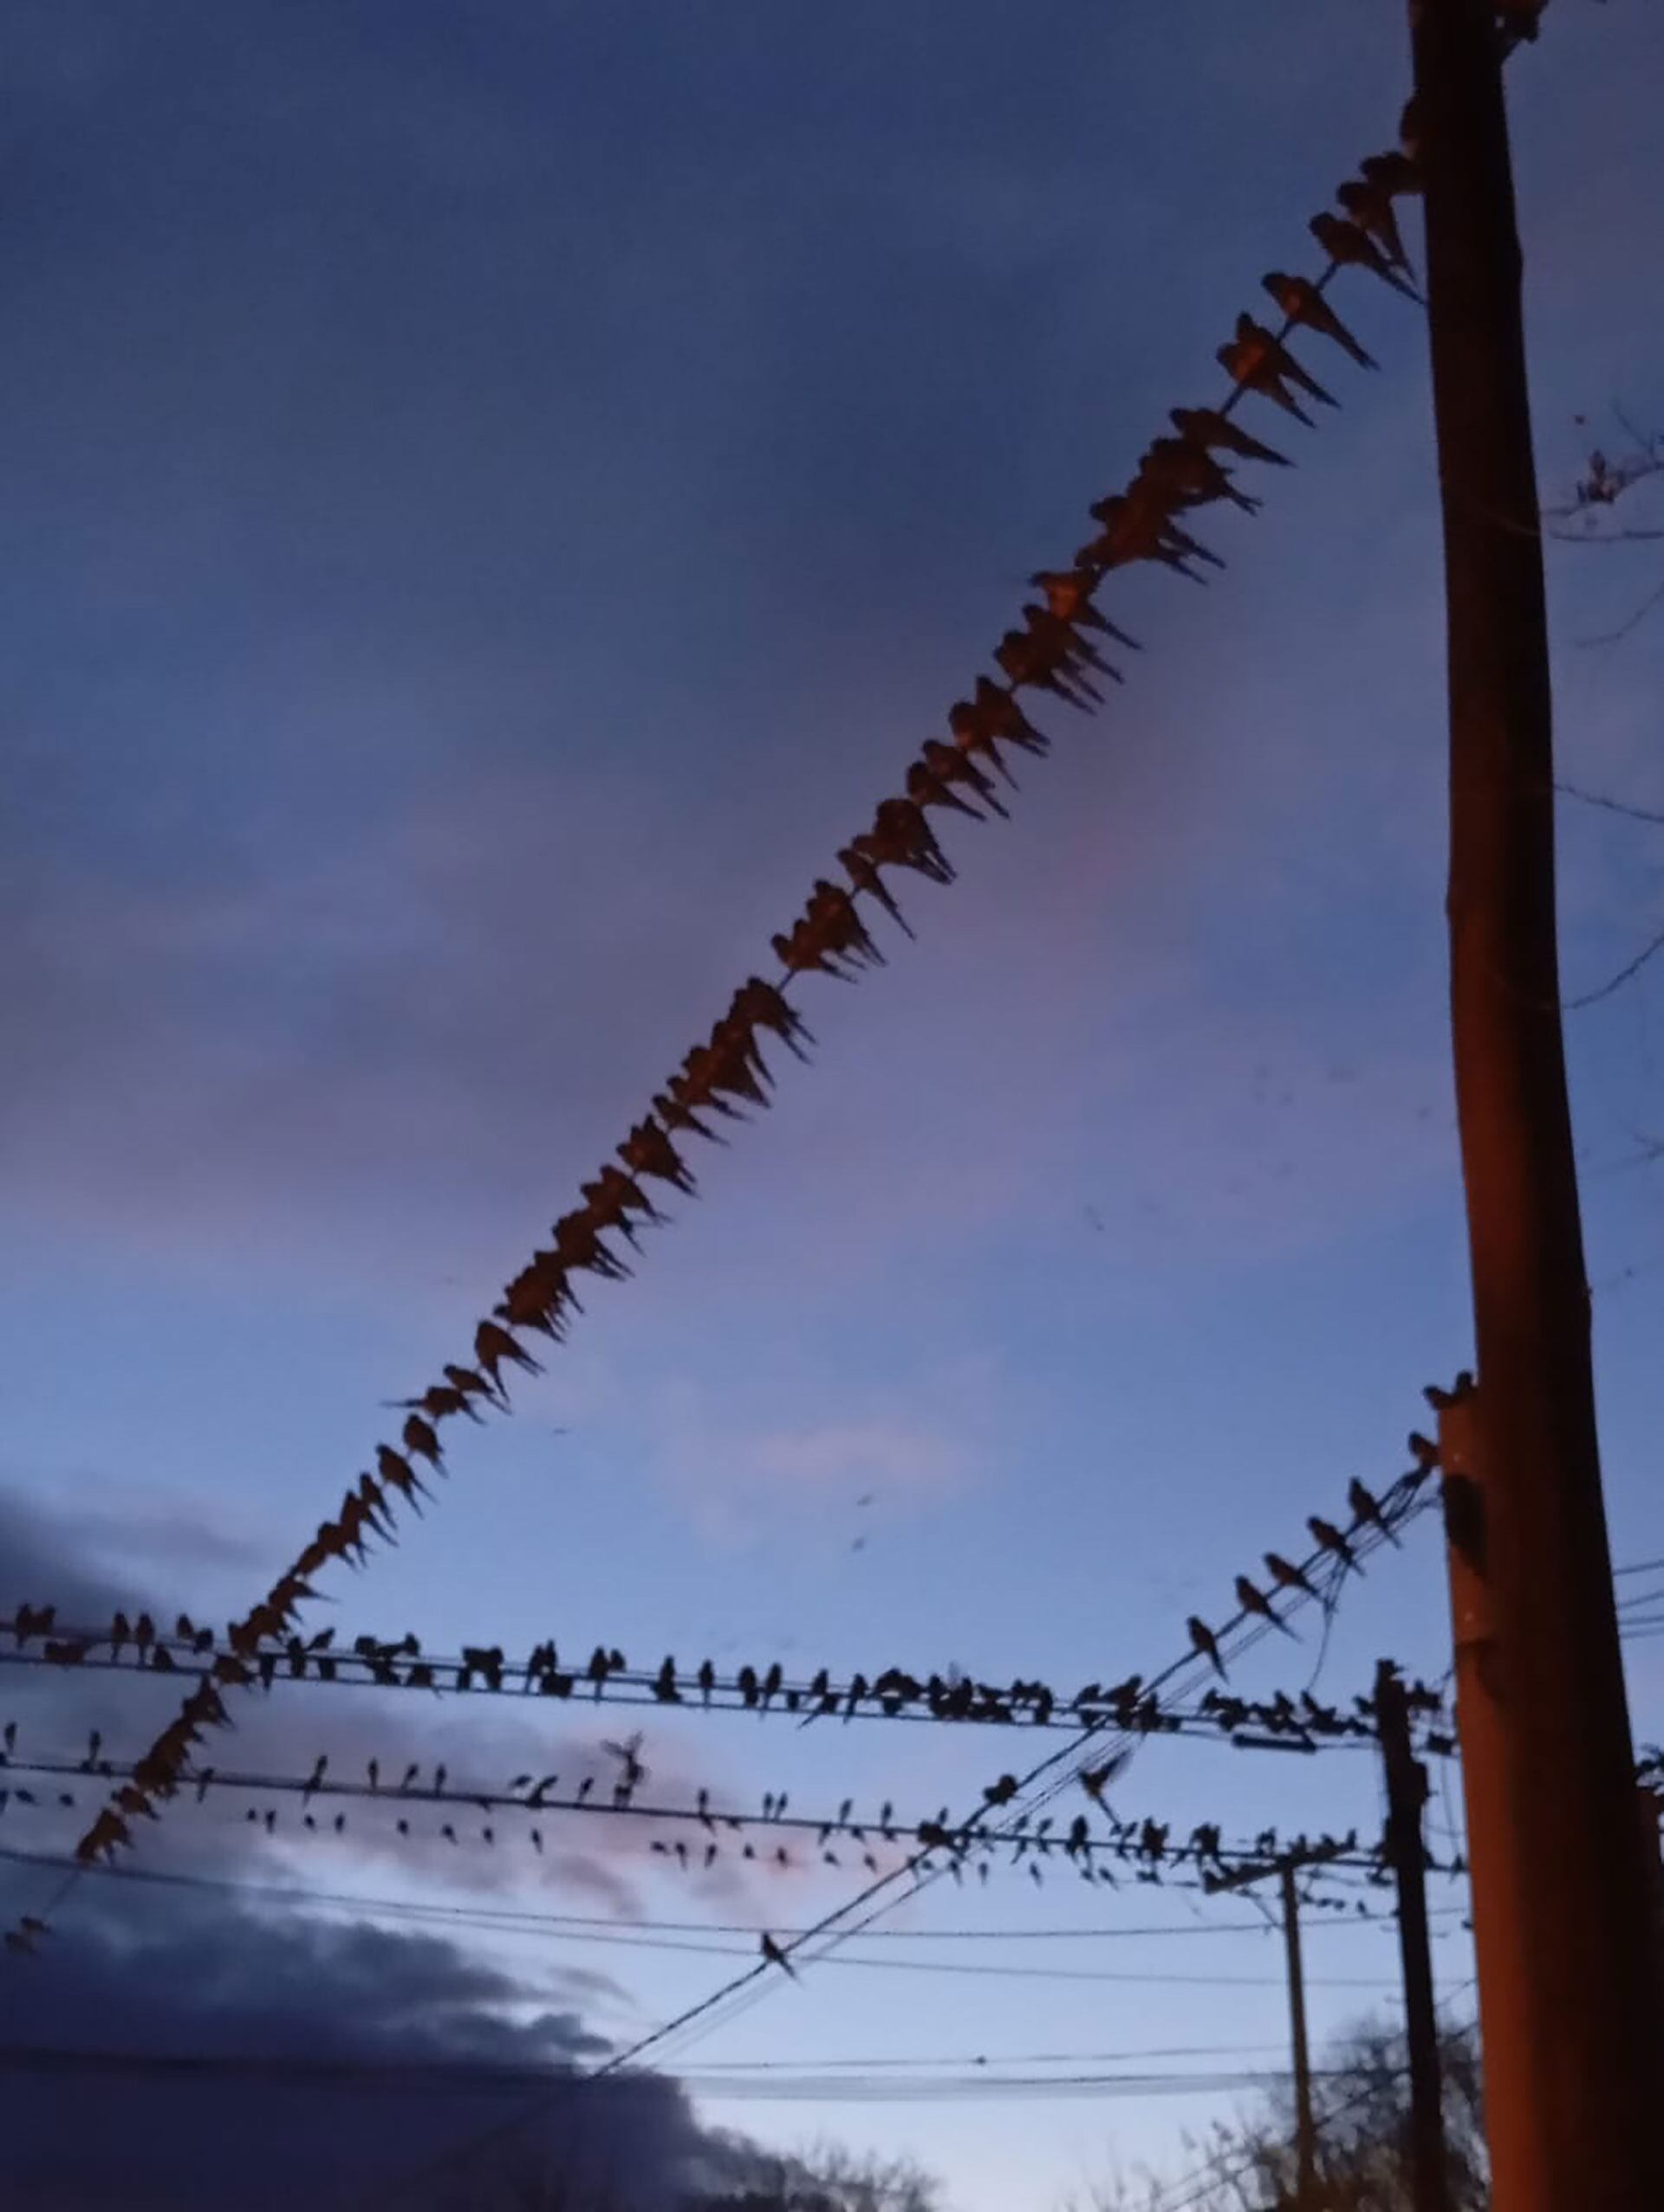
(901, 838)
(1329, 1538)
(1025, 661)
(614, 1199)
(1343, 242)
(1258, 359)
(951, 765)
(991, 717)
(493, 1347)
(439, 1402)
(1395, 174)
(1188, 475)
(1141, 529)
(1255, 1601)
(774, 1955)
(1369, 205)
(1208, 1643)
(1366, 1510)
(1301, 301)
(1069, 597)
(1289, 1577)
(761, 1007)
(1217, 432)
(927, 787)
(865, 877)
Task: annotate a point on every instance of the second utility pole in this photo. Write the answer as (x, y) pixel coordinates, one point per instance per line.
(1575, 2120)
(1305, 2130)
(1407, 1791)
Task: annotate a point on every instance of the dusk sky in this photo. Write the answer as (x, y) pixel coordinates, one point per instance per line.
(494, 496)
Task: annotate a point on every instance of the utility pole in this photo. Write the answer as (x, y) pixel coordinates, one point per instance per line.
(1407, 1792)
(1305, 2134)
(1286, 1867)
(1579, 2128)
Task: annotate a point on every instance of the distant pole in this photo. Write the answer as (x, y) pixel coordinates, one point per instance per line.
(1497, 1910)
(1305, 2127)
(1407, 1792)
(1586, 2135)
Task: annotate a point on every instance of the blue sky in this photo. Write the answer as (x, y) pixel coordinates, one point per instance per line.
(494, 497)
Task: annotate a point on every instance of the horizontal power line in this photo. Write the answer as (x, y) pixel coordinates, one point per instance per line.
(667, 1936)
(1143, 1848)
(430, 2076)
(524, 1920)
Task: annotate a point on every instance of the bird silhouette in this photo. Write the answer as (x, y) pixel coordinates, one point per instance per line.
(991, 718)
(864, 876)
(949, 765)
(1301, 301)
(1369, 205)
(1288, 1577)
(1217, 432)
(774, 1955)
(648, 1151)
(1205, 1643)
(901, 838)
(493, 1347)
(1345, 243)
(1366, 1510)
(1255, 1601)
(1069, 597)
(1139, 529)
(1095, 1780)
(1395, 174)
(439, 1402)
(1188, 475)
(632, 1773)
(1256, 358)
(1328, 1538)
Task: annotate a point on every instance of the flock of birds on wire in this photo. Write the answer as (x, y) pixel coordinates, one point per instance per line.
(242, 1658)
(374, 1662)
(719, 1081)
(1145, 1843)
(1132, 1709)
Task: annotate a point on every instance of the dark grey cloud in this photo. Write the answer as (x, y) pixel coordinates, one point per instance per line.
(164, 1969)
(188, 1978)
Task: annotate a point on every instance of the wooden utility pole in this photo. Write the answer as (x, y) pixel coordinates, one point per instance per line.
(1305, 2130)
(1286, 1867)
(1564, 1841)
(1407, 1792)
